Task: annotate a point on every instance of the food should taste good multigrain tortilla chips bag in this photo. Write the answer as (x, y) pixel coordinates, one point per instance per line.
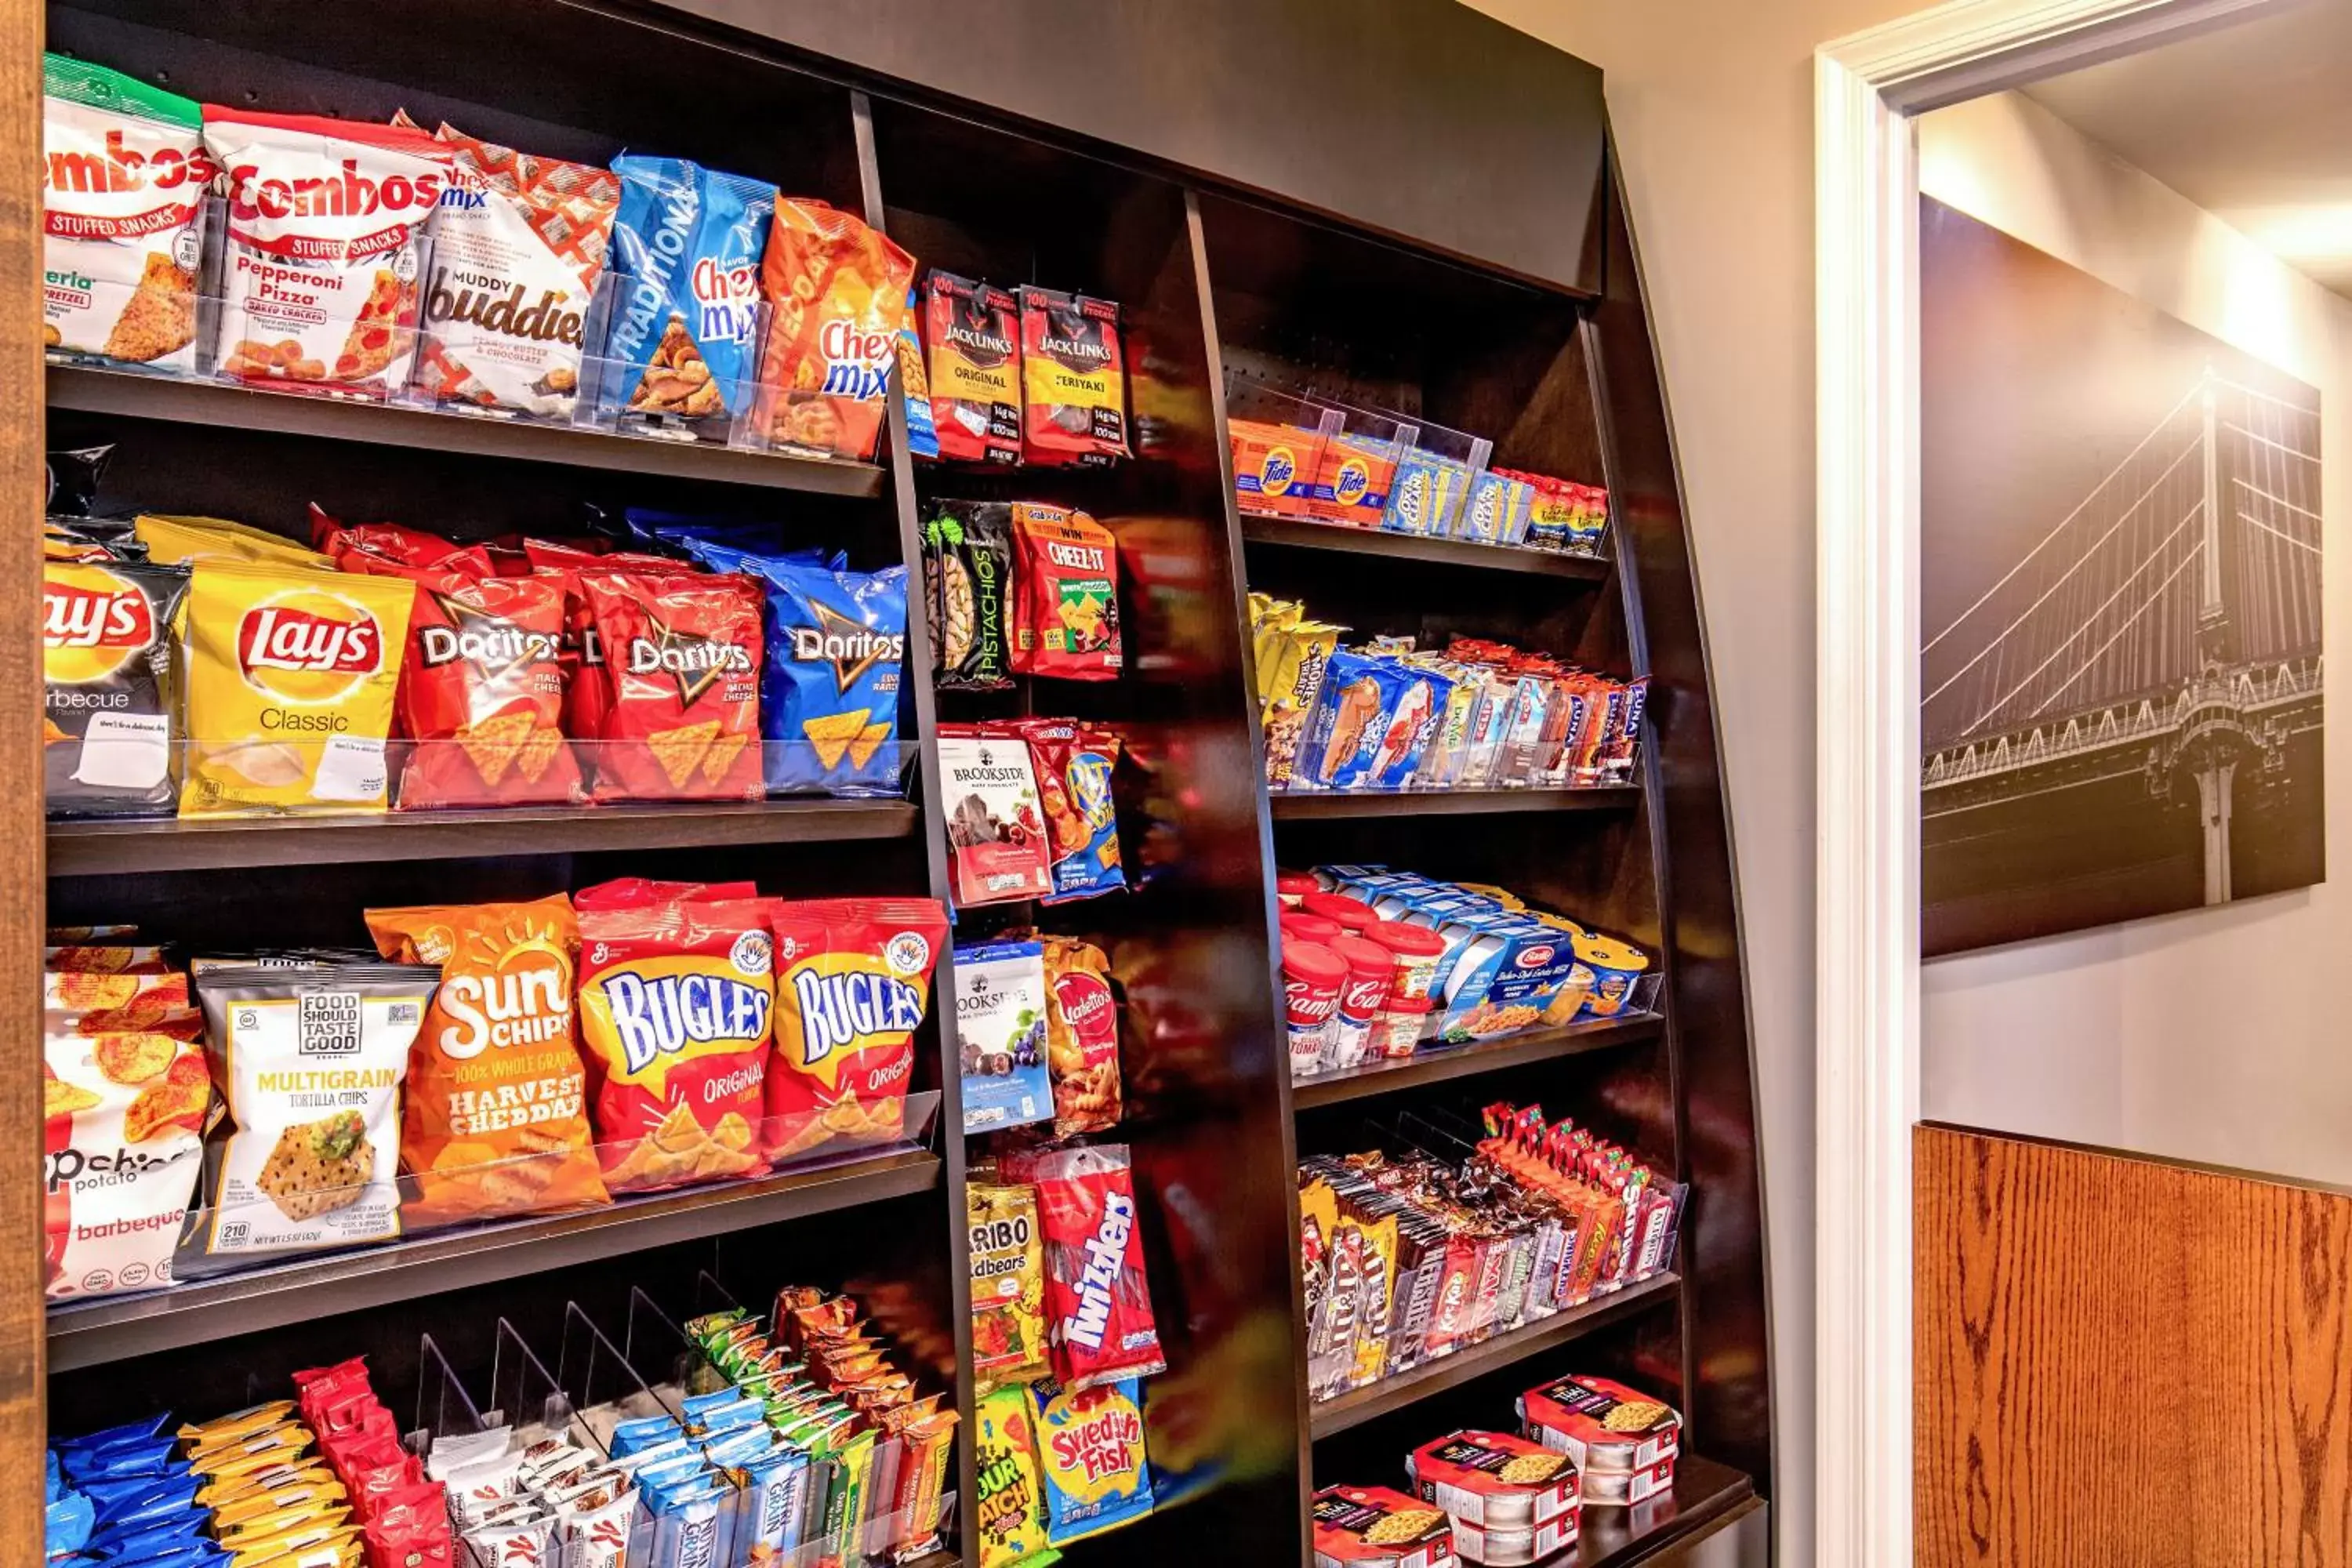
(309, 1063)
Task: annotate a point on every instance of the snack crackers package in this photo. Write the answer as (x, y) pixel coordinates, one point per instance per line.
(968, 583)
(123, 177)
(1073, 765)
(319, 284)
(518, 245)
(676, 988)
(1073, 379)
(836, 292)
(1350, 735)
(1008, 1287)
(999, 1007)
(996, 839)
(122, 1122)
(1096, 1296)
(853, 979)
(108, 736)
(291, 676)
(922, 438)
(309, 1064)
(1081, 1037)
(494, 1120)
(682, 653)
(1090, 1455)
(1066, 622)
(973, 330)
(836, 643)
(687, 242)
(1009, 1505)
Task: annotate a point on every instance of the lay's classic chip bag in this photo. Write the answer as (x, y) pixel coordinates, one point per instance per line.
(852, 978)
(829, 692)
(687, 242)
(291, 675)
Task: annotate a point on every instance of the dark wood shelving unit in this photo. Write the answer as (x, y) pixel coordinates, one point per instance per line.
(1358, 1405)
(97, 846)
(1446, 1063)
(1407, 547)
(1705, 1493)
(111, 1328)
(1288, 807)
(132, 396)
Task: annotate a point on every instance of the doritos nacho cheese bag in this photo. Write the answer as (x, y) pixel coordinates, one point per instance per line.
(496, 1116)
(836, 292)
(109, 739)
(291, 675)
(852, 978)
(676, 993)
(682, 655)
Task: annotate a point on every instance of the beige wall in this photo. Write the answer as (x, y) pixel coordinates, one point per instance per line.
(2213, 1035)
(1711, 102)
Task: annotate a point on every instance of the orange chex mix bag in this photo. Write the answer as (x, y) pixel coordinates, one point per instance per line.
(852, 978)
(836, 292)
(495, 1117)
(682, 653)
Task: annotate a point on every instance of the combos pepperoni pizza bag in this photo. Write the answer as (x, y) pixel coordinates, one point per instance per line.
(852, 978)
(836, 291)
(318, 285)
(123, 178)
(494, 1120)
(676, 991)
(683, 656)
(1097, 1301)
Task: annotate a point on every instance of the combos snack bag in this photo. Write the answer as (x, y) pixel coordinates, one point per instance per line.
(682, 654)
(518, 244)
(319, 283)
(309, 1063)
(974, 334)
(852, 978)
(838, 293)
(123, 178)
(687, 240)
(1081, 1037)
(108, 736)
(1074, 380)
(1008, 1287)
(1097, 1301)
(676, 986)
(996, 839)
(1090, 1453)
(496, 1121)
(1067, 622)
(1010, 1504)
(968, 588)
(291, 675)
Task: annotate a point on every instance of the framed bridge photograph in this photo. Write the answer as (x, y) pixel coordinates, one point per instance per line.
(2121, 706)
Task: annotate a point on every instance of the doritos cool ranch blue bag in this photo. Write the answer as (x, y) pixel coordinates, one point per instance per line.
(683, 335)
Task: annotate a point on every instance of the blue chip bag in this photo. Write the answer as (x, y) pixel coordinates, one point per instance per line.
(1091, 1458)
(829, 688)
(683, 334)
(1344, 745)
(69, 1523)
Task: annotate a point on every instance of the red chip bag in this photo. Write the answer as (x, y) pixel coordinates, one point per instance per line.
(330, 535)
(587, 688)
(852, 976)
(1097, 1301)
(683, 654)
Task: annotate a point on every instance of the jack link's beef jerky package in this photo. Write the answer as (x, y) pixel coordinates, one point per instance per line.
(836, 292)
(1074, 380)
(974, 334)
(685, 325)
(123, 177)
(108, 732)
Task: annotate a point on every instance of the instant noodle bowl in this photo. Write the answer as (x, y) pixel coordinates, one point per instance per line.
(1353, 916)
(1312, 978)
(1615, 966)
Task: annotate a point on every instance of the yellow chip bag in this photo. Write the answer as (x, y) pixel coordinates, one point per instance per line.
(290, 682)
(1008, 1287)
(182, 541)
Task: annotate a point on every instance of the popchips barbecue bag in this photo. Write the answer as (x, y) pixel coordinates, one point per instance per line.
(109, 739)
(122, 1114)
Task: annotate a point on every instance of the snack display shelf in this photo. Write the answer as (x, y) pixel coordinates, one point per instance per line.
(1361, 1405)
(1288, 807)
(1705, 1494)
(117, 1328)
(105, 846)
(1426, 1067)
(133, 395)
(1418, 548)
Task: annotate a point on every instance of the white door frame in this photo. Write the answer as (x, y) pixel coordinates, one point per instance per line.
(1867, 88)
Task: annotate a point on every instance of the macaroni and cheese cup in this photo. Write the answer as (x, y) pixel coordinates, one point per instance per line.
(1615, 966)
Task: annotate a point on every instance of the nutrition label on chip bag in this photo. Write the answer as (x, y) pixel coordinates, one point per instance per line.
(350, 767)
(125, 751)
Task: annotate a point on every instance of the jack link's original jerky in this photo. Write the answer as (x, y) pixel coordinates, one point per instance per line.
(973, 330)
(967, 579)
(1074, 380)
(108, 736)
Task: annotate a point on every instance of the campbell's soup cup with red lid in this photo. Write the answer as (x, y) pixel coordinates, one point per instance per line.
(1363, 998)
(1414, 952)
(1290, 887)
(1354, 915)
(1399, 1027)
(1312, 977)
(1297, 926)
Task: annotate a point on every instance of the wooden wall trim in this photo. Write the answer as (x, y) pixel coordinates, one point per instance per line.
(2122, 1359)
(23, 886)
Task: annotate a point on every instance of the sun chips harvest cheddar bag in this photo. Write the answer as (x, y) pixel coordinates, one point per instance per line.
(291, 675)
(108, 741)
(496, 1121)
(318, 285)
(676, 985)
(123, 178)
(852, 978)
(682, 654)
(837, 293)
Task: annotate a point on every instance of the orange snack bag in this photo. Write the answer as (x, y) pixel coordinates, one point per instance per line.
(838, 292)
(494, 1120)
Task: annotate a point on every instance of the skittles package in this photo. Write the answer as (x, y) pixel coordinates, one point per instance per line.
(687, 242)
(1090, 1454)
(829, 696)
(854, 978)
(682, 653)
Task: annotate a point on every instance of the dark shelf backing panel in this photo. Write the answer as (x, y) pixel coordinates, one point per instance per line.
(1428, 1067)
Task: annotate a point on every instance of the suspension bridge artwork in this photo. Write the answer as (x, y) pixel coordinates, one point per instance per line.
(2121, 674)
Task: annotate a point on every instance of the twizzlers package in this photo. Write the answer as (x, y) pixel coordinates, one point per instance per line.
(1097, 1301)
(324, 216)
(852, 978)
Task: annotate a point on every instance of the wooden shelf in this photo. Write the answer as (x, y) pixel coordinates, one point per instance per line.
(1365, 541)
(95, 847)
(117, 1328)
(1361, 1405)
(1427, 1067)
(135, 395)
(1705, 1494)
(1289, 807)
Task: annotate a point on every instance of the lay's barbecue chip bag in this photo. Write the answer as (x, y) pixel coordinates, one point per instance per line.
(852, 978)
(107, 737)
